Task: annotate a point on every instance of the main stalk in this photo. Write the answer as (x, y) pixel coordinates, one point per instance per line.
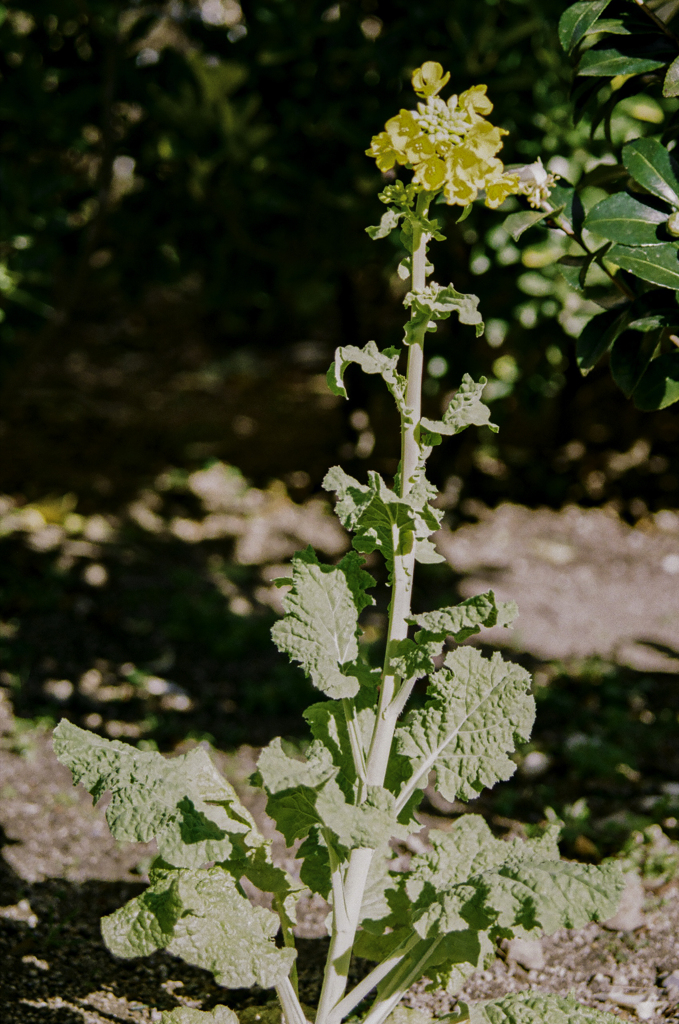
(349, 880)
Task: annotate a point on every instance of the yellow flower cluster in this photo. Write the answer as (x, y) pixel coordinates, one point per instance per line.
(449, 145)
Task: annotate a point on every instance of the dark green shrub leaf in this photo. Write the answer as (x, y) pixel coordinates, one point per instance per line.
(671, 83)
(576, 21)
(659, 386)
(609, 63)
(630, 355)
(651, 165)
(622, 218)
(658, 264)
(572, 211)
(598, 335)
(517, 223)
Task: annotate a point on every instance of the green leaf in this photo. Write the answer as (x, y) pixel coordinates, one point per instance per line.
(183, 802)
(461, 620)
(328, 724)
(203, 918)
(537, 1008)
(659, 386)
(564, 195)
(371, 360)
(437, 303)
(576, 21)
(671, 84)
(516, 223)
(613, 62)
(623, 218)
(383, 521)
(655, 263)
(320, 628)
(650, 163)
(315, 871)
(598, 335)
(389, 220)
(465, 409)
(187, 1015)
(477, 708)
(630, 355)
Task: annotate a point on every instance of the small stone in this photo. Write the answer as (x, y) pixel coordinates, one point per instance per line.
(527, 953)
(671, 986)
(630, 914)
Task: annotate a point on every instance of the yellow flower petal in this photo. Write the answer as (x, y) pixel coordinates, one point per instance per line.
(498, 191)
(429, 79)
(430, 174)
(475, 100)
(382, 151)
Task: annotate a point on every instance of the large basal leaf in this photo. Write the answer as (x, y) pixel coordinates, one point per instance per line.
(371, 360)
(203, 918)
(659, 386)
(320, 628)
(623, 218)
(537, 1008)
(465, 409)
(650, 163)
(477, 708)
(192, 811)
(630, 355)
(622, 60)
(655, 263)
(576, 20)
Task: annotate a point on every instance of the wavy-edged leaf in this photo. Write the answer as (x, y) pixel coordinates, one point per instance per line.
(464, 619)
(658, 264)
(436, 302)
(477, 709)
(465, 409)
(192, 811)
(537, 1008)
(388, 221)
(187, 1015)
(577, 20)
(630, 355)
(203, 918)
(383, 521)
(612, 62)
(659, 386)
(371, 360)
(623, 218)
(320, 628)
(651, 164)
(671, 84)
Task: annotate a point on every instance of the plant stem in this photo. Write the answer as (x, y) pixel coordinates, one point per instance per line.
(349, 883)
(292, 1008)
(403, 977)
(360, 991)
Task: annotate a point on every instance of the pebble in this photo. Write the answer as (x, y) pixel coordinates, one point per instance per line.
(527, 953)
(630, 914)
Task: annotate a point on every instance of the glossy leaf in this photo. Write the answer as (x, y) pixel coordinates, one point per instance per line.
(517, 223)
(623, 218)
(577, 20)
(630, 355)
(598, 335)
(658, 264)
(659, 387)
(650, 163)
(671, 83)
(564, 196)
(610, 63)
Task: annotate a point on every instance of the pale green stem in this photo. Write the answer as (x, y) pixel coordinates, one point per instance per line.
(292, 1009)
(346, 913)
(360, 991)
(288, 937)
(356, 745)
(401, 980)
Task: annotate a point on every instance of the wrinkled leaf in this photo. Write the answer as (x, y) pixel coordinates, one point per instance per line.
(476, 710)
(651, 164)
(537, 1008)
(184, 802)
(320, 628)
(461, 620)
(371, 360)
(202, 917)
(659, 386)
(466, 408)
(655, 263)
(389, 220)
(437, 303)
(623, 218)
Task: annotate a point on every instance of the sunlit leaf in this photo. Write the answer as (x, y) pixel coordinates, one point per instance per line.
(623, 218)
(650, 163)
(658, 264)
